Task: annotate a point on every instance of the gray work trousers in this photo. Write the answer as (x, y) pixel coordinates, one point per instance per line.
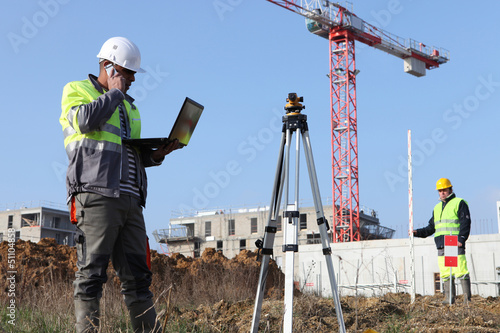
(111, 228)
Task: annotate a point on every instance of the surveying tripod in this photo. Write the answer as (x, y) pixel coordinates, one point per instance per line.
(293, 121)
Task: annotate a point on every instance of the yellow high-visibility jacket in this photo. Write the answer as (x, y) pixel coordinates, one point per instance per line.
(90, 121)
(449, 217)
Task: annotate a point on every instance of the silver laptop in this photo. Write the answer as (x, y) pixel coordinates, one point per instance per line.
(182, 130)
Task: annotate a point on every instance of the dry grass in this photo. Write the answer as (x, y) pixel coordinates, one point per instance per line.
(44, 292)
(215, 294)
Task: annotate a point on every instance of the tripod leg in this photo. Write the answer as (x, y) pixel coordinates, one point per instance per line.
(270, 232)
(323, 227)
(290, 242)
(290, 248)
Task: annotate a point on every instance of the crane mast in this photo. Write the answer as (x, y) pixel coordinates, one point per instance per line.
(342, 28)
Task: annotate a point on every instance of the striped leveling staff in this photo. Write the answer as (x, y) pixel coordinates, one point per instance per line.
(450, 252)
(451, 256)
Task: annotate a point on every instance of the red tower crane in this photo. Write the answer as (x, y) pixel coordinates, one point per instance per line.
(342, 28)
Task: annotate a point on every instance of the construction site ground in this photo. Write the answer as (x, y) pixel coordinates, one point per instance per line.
(215, 294)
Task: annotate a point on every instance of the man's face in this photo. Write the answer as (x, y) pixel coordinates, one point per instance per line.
(127, 74)
(444, 193)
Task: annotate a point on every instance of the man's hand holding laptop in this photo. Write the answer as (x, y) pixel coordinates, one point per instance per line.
(160, 153)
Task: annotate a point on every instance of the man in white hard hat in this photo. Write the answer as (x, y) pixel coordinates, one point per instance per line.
(450, 216)
(107, 186)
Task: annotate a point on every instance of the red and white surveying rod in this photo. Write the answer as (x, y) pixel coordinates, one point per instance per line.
(451, 256)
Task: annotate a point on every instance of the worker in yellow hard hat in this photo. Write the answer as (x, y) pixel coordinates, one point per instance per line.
(451, 216)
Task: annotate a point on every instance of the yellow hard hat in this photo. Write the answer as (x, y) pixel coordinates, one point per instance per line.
(443, 183)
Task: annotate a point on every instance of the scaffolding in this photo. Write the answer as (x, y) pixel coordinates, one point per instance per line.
(175, 235)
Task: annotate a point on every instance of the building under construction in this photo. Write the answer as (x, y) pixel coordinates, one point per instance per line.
(233, 230)
(33, 221)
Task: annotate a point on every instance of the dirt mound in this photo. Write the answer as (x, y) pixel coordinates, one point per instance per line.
(37, 263)
(46, 261)
(212, 277)
(213, 293)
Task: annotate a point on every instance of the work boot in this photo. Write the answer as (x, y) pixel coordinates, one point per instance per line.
(143, 318)
(87, 316)
(466, 290)
(446, 285)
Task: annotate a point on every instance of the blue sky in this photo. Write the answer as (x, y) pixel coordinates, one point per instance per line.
(240, 59)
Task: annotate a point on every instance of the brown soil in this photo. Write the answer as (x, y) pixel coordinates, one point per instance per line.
(198, 297)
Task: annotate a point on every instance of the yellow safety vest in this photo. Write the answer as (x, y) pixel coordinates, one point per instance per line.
(93, 140)
(109, 135)
(446, 220)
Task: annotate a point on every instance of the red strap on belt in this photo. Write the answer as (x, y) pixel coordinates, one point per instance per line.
(148, 253)
(72, 211)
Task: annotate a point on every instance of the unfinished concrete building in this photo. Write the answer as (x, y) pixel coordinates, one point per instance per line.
(35, 223)
(233, 230)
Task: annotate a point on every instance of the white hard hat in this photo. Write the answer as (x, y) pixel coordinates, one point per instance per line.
(122, 52)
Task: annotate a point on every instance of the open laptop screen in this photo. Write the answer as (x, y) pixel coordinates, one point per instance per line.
(186, 122)
(183, 128)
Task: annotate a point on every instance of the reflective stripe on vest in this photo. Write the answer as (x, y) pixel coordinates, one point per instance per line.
(446, 221)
